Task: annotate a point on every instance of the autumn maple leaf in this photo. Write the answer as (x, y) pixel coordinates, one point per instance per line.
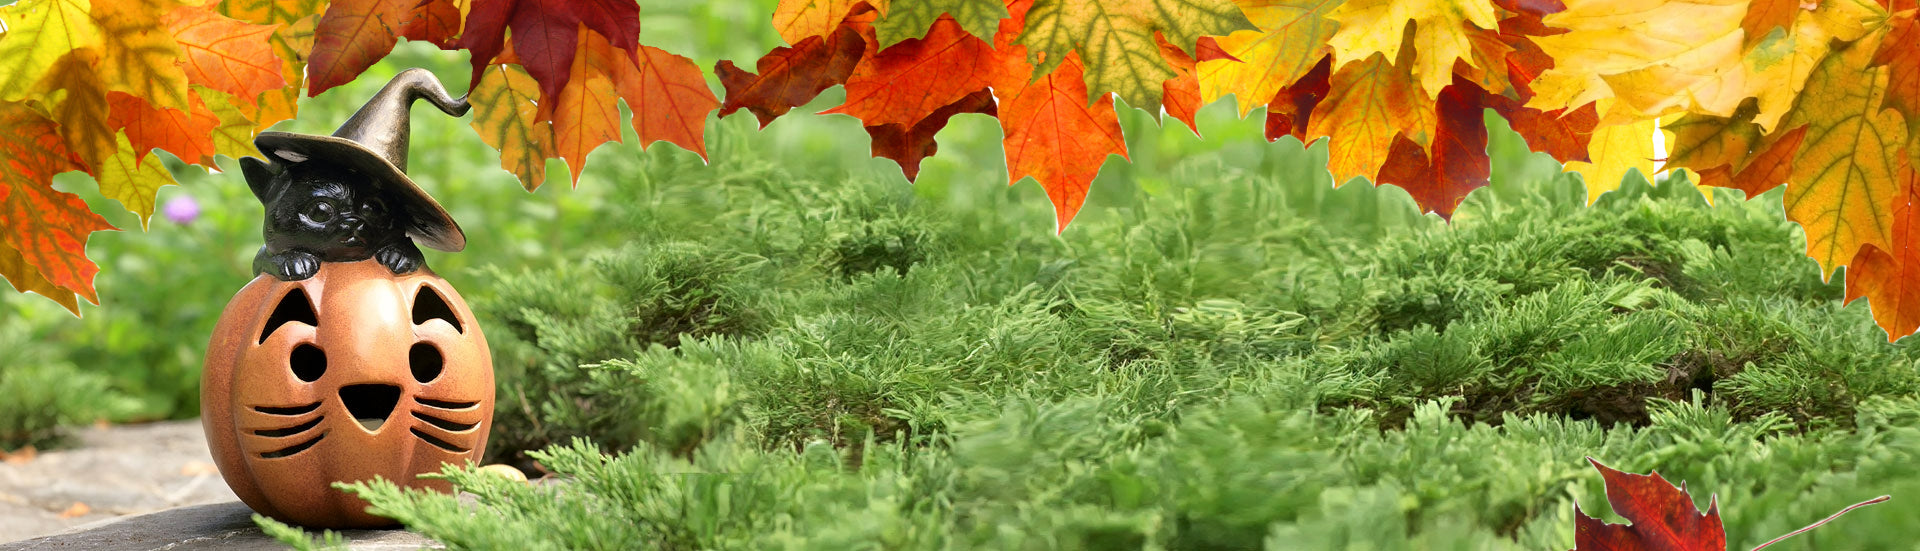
(1662, 517)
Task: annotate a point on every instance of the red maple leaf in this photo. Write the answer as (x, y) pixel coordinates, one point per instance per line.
(546, 34)
(1663, 517)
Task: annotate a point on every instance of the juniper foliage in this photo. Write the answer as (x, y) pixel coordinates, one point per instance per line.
(781, 361)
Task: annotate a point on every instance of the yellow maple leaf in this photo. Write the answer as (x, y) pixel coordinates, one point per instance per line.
(139, 56)
(1843, 183)
(1709, 64)
(132, 178)
(77, 100)
(1441, 36)
(505, 115)
(1292, 38)
(799, 19)
(1615, 150)
(1367, 104)
(234, 136)
(38, 33)
(587, 113)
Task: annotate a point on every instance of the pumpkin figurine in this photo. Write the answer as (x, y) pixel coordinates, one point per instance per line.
(346, 358)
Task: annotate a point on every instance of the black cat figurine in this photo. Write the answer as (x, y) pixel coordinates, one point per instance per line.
(322, 213)
(346, 197)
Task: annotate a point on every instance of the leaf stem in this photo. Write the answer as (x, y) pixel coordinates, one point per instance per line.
(1823, 521)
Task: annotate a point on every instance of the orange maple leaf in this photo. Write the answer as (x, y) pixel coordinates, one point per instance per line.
(48, 228)
(669, 98)
(352, 36)
(1890, 278)
(225, 54)
(186, 134)
(1052, 132)
(910, 80)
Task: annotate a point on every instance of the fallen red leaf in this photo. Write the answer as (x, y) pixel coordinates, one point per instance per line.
(1663, 517)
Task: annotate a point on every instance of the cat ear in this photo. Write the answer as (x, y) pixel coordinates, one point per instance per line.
(259, 175)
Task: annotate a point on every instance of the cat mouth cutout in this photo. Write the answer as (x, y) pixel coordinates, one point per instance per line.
(370, 405)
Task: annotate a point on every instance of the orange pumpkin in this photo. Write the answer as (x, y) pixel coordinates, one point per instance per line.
(351, 374)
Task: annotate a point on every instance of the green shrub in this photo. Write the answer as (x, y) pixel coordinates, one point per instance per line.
(45, 394)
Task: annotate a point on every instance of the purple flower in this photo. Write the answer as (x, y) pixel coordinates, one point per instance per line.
(182, 209)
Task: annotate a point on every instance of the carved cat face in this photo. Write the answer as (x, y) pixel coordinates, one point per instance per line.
(328, 211)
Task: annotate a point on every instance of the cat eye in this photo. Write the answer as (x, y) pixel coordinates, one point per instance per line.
(320, 212)
(376, 208)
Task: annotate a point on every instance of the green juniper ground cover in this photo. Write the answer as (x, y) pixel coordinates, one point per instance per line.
(784, 362)
(1222, 352)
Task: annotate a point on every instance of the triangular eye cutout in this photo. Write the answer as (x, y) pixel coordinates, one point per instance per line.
(293, 307)
(427, 304)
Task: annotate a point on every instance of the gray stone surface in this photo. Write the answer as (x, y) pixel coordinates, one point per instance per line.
(111, 472)
(227, 526)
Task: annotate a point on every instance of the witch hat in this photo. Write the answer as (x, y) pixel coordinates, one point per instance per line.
(374, 143)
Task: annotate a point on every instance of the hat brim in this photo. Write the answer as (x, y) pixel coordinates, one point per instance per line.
(430, 225)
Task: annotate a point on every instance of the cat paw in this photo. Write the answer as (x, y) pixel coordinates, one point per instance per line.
(400, 259)
(296, 266)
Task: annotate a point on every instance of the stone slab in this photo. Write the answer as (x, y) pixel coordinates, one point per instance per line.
(226, 526)
(108, 472)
